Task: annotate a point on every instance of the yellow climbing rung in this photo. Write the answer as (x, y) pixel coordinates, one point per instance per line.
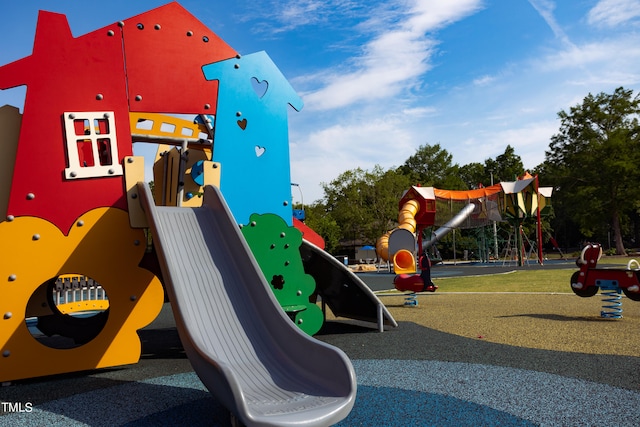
(160, 127)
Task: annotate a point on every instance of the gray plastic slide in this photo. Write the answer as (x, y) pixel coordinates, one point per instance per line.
(242, 345)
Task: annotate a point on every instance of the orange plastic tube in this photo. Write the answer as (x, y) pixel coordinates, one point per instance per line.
(404, 262)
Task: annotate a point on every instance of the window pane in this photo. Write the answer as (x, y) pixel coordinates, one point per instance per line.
(101, 126)
(81, 127)
(104, 151)
(85, 153)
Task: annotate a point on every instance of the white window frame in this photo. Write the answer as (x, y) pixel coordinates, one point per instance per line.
(75, 169)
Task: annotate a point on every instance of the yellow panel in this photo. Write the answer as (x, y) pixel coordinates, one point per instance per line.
(38, 303)
(155, 127)
(190, 186)
(101, 245)
(173, 169)
(167, 167)
(212, 171)
(211, 177)
(510, 205)
(545, 204)
(134, 173)
(165, 176)
(522, 208)
(10, 120)
(161, 149)
(87, 305)
(534, 203)
(160, 173)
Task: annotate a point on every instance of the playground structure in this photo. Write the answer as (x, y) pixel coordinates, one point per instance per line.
(611, 281)
(242, 275)
(422, 207)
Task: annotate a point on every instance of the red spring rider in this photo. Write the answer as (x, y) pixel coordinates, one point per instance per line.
(590, 279)
(417, 282)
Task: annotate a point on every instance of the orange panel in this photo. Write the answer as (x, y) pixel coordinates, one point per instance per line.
(467, 194)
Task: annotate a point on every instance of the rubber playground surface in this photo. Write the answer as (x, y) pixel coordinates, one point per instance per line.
(456, 359)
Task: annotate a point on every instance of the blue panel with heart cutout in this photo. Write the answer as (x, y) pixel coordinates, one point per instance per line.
(252, 136)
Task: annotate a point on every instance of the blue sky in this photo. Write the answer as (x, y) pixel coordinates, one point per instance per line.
(381, 78)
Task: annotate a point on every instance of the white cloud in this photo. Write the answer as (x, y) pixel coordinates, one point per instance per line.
(356, 141)
(375, 112)
(280, 16)
(596, 64)
(578, 56)
(392, 60)
(529, 141)
(419, 112)
(361, 141)
(545, 8)
(484, 80)
(611, 13)
(431, 15)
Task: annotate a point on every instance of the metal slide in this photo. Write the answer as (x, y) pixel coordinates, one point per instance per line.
(244, 348)
(450, 225)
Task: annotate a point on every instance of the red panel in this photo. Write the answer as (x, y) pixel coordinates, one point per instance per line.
(308, 233)
(408, 282)
(65, 74)
(164, 67)
(165, 51)
(426, 213)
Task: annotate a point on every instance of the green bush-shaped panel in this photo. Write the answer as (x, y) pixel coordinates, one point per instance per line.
(276, 247)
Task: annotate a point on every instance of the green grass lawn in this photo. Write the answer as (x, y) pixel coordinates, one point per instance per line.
(538, 280)
(556, 280)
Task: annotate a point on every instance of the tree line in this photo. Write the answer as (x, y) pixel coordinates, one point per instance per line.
(592, 162)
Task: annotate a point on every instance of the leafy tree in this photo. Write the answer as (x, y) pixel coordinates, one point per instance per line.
(506, 167)
(359, 205)
(362, 202)
(594, 161)
(388, 189)
(474, 174)
(431, 166)
(323, 224)
(345, 200)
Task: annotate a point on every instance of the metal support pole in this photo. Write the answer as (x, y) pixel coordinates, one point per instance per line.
(182, 168)
(495, 231)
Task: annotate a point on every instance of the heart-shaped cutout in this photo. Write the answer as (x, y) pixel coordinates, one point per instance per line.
(259, 86)
(260, 151)
(242, 123)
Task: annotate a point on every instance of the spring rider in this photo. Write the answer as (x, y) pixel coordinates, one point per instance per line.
(414, 283)
(611, 281)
